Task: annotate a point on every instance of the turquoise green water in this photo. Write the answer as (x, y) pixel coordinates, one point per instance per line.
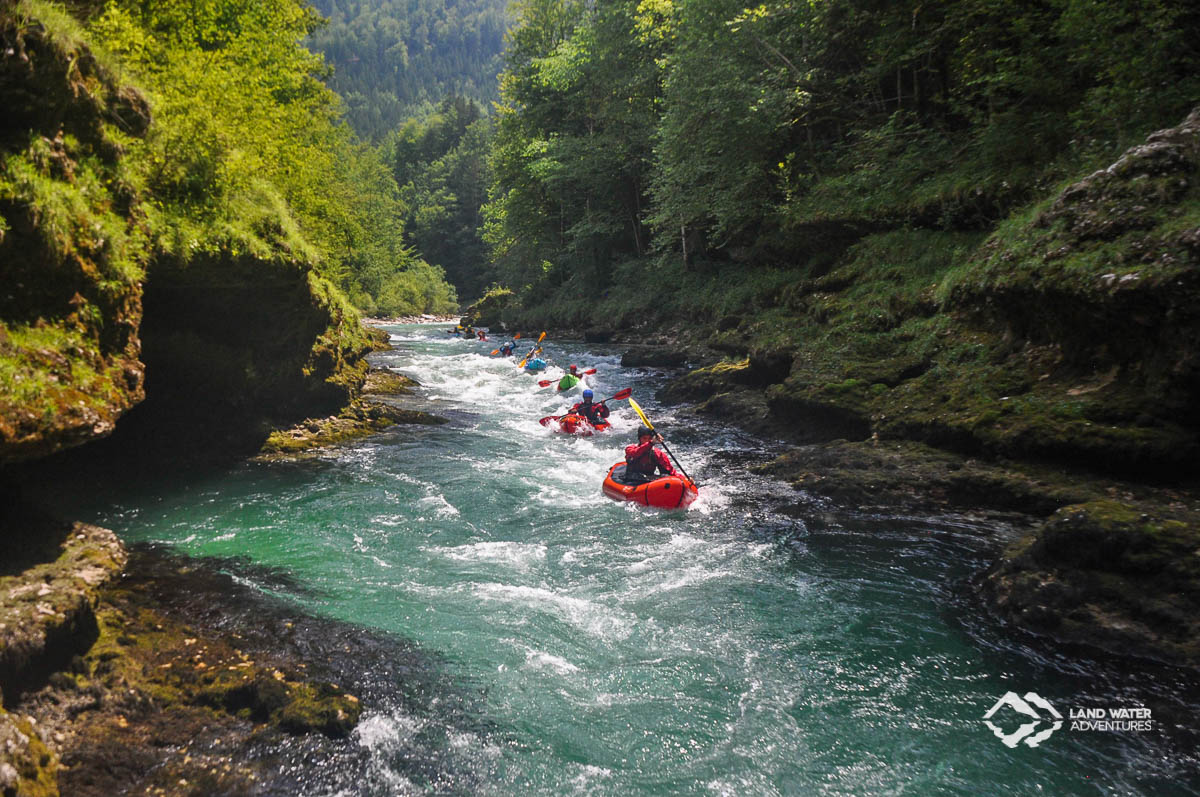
(758, 643)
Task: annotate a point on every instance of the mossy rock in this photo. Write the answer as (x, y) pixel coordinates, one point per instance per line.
(1122, 539)
(72, 243)
(321, 708)
(703, 383)
(297, 707)
(490, 309)
(654, 357)
(1116, 575)
(28, 768)
(892, 473)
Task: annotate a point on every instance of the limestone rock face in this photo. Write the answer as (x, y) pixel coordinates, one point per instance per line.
(47, 609)
(72, 244)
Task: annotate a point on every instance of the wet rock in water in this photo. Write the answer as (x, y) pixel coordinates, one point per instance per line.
(199, 684)
(891, 473)
(744, 406)
(704, 383)
(1109, 574)
(371, 413)
(654, 357)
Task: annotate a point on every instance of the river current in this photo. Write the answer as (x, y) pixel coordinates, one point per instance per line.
(761, 642)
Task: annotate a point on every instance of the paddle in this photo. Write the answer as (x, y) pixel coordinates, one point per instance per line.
(536, 349)
(547, 382)
(650, 426)
(516, 337)
(620, 395)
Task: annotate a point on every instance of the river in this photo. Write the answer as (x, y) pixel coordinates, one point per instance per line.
(761, 642)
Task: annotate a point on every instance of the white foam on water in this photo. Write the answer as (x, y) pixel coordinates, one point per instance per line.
(585, 781)
(596, 619)
(541, 660)
(518, 555)
(442, 508)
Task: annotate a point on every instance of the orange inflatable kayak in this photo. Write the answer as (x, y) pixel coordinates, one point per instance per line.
(665, 492)
(573, 424)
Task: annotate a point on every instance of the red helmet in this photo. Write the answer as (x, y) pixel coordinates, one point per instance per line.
(573, 367)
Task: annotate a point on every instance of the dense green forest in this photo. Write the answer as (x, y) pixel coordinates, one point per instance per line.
(441, 162)
(656, 142)
(395, 60)
(248, 149)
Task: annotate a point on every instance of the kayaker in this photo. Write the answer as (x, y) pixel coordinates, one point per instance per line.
(596, 414)
(643, 459)
(507, 349)
(482, 335)
(569, 379)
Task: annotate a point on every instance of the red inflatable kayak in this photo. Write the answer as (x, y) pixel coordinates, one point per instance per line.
(573, 424)
(665, 492)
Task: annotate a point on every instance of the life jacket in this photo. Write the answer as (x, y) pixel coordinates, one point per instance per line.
(647, 461)
(594, 412)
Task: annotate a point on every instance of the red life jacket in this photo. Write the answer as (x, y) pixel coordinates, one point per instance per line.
(645, 458)
(595, 413)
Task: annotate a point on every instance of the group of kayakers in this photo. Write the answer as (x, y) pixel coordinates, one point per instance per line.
(467, 332)
(644, 462)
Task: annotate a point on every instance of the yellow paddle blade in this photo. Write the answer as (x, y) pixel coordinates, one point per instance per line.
(641, 414)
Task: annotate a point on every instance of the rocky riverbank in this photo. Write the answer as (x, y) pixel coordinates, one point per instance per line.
(108, 687)
(143, 673)
(374, 410)
(1106, 561)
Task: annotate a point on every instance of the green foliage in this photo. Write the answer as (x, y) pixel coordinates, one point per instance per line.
(247, 154)
(713, 130)
(392, 59)
(572, 146)
(440, 162)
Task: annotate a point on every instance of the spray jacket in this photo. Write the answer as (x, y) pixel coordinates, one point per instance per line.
(644, 458)
(595, 413)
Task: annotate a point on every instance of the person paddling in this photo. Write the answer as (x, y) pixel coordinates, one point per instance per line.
(643, 459)
(507, 349)
(596, 414)
(569, 379)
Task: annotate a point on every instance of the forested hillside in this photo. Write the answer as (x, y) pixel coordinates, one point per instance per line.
(719, 132)
(861, 193)
(441, 162)
(391, 60)
(177, 189)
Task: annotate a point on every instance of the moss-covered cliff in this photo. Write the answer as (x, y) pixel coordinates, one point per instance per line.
(130, 315)
(113, 293)
(72, 239)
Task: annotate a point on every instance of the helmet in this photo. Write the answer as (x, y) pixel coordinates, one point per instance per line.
(587, 394)
(644, 431)
(574, 368)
